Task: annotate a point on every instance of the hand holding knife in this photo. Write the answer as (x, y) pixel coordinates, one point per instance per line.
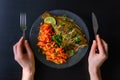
(95, 27)
(98, 53)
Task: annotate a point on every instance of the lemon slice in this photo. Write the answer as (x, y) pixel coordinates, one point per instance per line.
(50, 20)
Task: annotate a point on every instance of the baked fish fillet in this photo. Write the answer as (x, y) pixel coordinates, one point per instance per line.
(73, 36)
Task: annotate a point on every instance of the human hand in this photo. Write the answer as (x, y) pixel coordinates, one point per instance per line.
(25, 59)
(96, 59)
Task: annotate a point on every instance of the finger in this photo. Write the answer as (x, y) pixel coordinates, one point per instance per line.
(100, 45)
(105, 46)
(93, 48)
(20, 46)
(15, 49)
(27, 46)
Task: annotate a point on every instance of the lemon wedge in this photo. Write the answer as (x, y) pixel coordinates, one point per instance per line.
(50, 20)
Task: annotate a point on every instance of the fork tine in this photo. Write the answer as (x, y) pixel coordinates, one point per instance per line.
(22, 19)
(23, 23)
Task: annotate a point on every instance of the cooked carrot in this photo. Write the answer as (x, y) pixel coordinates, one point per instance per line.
(53, 53)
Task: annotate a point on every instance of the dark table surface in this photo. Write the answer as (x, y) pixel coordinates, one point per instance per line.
(107, 12)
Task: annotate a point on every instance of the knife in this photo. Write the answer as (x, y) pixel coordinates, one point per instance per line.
(95, 23)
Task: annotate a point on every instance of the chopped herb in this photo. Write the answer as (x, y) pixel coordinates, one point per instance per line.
(70, 28)
(55, 45)
(60, 33)
(71, 36)
(61, 24)
(59, 43)
(64, 17)
(77, 35)
(61, 46)
(72, 51)
(57, 39)
(72, 20)
(53, 37)
(64, 38)
(77, 40)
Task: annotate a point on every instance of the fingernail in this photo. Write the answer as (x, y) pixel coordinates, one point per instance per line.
(26, 41)
(94, 41)
(98, 35)
(22, 37)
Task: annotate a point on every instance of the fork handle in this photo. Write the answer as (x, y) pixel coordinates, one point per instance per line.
(23, 34)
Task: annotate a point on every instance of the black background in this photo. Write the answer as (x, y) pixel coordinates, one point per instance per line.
(107, 12)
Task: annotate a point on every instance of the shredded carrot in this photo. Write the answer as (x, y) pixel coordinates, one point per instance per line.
(53, 53)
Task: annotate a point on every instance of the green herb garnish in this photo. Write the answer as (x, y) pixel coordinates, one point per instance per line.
(72, 51)
(64, 17)
(72, 20)
(70, 28)
(77, 39)
(53, 37)
(71, 36)
(57, 39)
(61, 24)
(55, 45)
(64, 38)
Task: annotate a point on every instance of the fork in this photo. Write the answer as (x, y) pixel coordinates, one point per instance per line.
(23, 23)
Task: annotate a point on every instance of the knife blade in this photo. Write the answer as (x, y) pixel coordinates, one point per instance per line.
(95, 23)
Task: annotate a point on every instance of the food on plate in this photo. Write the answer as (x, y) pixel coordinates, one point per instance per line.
(60, 37)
